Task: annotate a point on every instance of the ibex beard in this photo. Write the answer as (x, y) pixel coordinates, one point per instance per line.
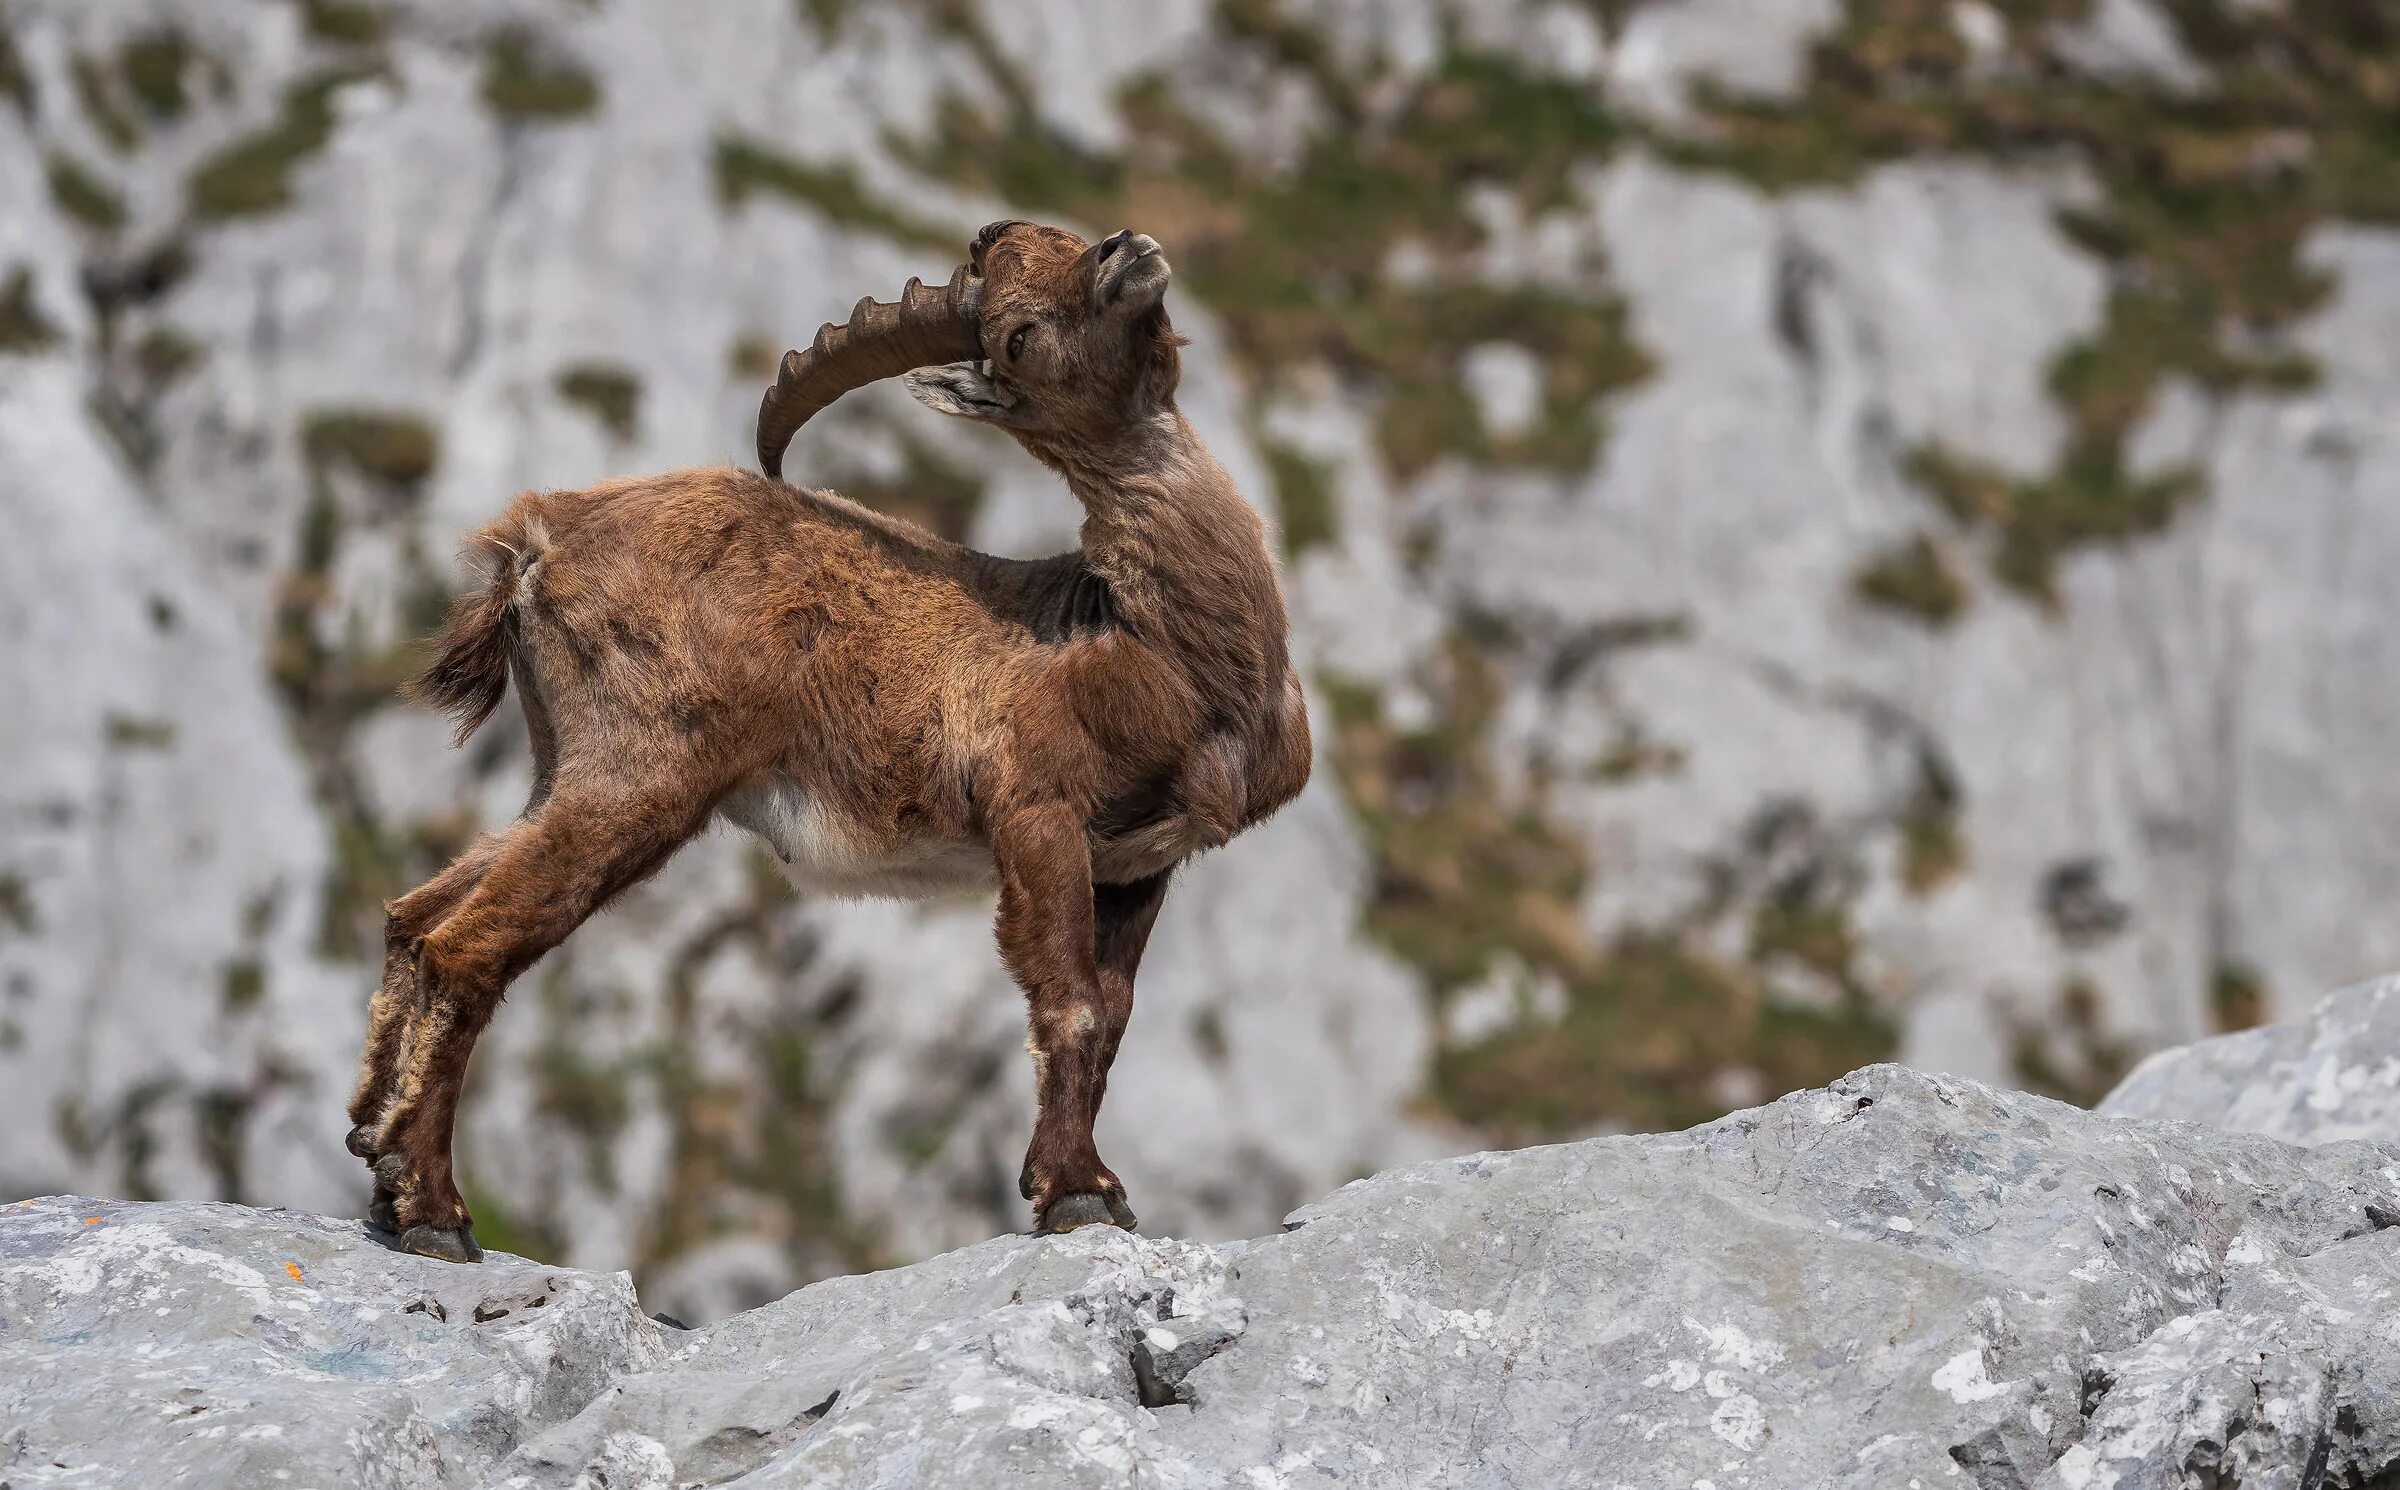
(890, 713)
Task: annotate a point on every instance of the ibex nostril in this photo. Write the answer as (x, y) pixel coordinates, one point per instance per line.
(1115, 242)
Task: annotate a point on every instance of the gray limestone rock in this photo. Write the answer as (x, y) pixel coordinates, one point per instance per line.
(1897, 1280)
(213, 1344)
(2333, 1073)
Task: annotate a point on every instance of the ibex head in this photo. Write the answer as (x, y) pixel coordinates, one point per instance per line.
(1053, 339)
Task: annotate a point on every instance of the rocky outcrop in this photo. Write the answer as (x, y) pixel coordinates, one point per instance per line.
(1899, 1279)
(217, 1345)
(2330, 1074)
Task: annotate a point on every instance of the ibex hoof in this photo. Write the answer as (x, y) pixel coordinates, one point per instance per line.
(454, 1244)
(382, 1215)
(361, 1142)
(1069, 1212)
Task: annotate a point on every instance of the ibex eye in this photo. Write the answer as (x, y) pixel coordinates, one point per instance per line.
(1016, 342)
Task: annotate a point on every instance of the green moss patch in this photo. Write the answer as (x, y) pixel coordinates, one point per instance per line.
(16, 79)
(345, 23)
(753, 358)
(397, 449)
(164, 355)
(102, 108)
(1304, 498)
(24, 329)
(745, 168)
(522, 81)
(1466, 885)
(157, 68)
(253, 174)
(241, 985)
(1815, 934)
(2073, 1056)
(149, 81)
(1460, 876)
(1208, 1032)
(1932, 851)
(2034, 523)
(829, 17)
(16, 905)
(1647, 1035)
(83, 196)
(1915, 580)
(611, 394)
(2237, 998)
(128, 732)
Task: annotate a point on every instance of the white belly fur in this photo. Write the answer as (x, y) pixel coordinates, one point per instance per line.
(823, 855)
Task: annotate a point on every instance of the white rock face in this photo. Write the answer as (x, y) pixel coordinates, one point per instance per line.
(734, 1092)
(1806, 344)
(2129, 39)
(160, 833)
(1757, 50)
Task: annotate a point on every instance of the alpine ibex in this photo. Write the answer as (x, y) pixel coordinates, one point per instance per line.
(892, 714)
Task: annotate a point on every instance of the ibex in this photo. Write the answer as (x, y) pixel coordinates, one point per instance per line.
(892, 714)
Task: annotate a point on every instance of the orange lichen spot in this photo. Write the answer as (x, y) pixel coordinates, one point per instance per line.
(91, 1220)
(293, 1268)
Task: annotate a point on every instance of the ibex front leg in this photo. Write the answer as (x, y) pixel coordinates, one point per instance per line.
(1122, 916)
(1047, 939)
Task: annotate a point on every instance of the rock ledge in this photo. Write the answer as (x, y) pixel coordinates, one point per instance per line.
(1896, 1280)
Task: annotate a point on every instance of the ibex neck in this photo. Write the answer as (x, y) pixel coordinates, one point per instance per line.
(1185, 557)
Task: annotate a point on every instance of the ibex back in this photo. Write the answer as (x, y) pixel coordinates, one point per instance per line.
(890, 713)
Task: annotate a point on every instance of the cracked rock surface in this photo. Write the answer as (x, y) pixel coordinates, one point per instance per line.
(211, 1344)
(1899, 1279)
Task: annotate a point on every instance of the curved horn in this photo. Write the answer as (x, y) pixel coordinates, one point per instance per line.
(923, 328)
(992, 233)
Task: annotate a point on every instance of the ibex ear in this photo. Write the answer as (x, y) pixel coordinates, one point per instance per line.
(961, 389)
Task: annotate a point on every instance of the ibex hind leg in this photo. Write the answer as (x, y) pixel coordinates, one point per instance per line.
(392, 1013)
(551, 871)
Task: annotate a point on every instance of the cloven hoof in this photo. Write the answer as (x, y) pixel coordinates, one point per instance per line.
(1069, 1212)
(452, 1244)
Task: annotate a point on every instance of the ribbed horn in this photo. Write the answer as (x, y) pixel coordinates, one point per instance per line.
(925, 327)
